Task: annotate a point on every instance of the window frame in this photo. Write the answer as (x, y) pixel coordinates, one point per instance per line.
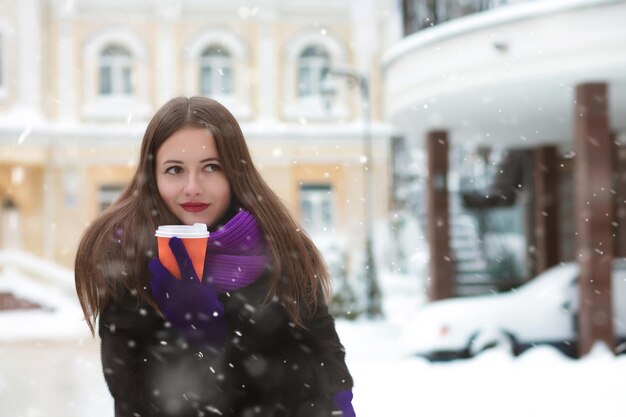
(214, 62)
(314, 106)
(317, 61)
(116, 107)
(238, 101)
(108, 194)
(322, 216)
(120, 65)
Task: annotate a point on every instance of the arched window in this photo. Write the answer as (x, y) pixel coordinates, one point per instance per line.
(216, 71)
(313, 65)
(115, 71)
(308, 58)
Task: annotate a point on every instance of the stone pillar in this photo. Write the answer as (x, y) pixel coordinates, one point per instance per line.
(30, 59)
(67, 72)
(166, 57)
(49, 212)
(594, 210)
(267, 62)
(545, 207)
(440, 263)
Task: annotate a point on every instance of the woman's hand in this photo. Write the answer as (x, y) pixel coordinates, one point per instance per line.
(192, 307)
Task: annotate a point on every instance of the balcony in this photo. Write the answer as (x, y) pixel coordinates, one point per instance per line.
(507, 76)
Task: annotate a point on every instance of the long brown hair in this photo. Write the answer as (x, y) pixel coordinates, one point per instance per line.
(115, 249)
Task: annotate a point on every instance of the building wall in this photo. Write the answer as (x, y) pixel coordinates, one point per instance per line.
(23, 185)
(70, 142)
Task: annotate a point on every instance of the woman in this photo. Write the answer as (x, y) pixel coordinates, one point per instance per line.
(253, 335)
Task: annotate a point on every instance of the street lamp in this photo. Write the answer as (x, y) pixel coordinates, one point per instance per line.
(328, 90)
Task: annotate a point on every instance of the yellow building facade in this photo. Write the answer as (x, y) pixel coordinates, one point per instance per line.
(80, 79)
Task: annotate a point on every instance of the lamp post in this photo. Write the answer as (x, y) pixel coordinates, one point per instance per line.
(354, 77)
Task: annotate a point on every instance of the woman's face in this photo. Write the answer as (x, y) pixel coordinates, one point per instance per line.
(190, 179)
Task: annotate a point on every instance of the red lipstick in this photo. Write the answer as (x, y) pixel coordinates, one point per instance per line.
(194, 207)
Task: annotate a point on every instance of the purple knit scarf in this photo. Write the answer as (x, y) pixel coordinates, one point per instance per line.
(236, 254)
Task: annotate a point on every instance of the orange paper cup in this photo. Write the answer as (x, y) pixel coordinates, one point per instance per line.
(194, 239)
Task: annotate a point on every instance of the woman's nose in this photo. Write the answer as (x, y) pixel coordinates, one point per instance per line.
(192, 187)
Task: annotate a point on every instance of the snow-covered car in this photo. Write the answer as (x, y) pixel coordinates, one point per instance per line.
(542, 311)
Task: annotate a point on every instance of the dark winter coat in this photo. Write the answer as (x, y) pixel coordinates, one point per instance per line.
(268, 367)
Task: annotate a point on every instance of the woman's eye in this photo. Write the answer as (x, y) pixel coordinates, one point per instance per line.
(212, 168)
(174, 170)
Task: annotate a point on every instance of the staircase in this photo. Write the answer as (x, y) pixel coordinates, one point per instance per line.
(470, 265)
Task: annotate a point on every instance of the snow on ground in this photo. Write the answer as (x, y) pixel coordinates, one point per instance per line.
(59, 318)
(541, 382)
(49, 364)
(53, 379)
(64, 378)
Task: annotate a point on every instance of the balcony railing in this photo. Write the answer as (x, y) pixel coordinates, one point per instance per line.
(422, 14)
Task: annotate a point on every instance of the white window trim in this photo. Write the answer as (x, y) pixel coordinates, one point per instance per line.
(312, 107)
(239, 101)
(115, 107)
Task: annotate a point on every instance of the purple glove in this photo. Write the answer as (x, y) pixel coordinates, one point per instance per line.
(192, 307)
(343, 399)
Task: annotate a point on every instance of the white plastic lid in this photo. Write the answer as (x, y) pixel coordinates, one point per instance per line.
(196, 230)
